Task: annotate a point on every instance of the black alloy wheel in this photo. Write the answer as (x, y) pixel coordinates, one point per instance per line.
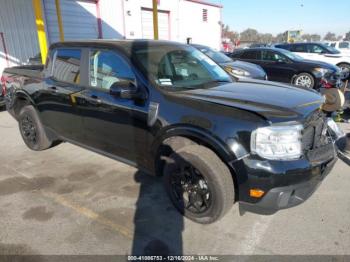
(28, 130)
(190, 189)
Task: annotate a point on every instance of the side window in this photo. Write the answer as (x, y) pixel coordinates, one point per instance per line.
(273, 56)
(344, 45)
(253, 55)
(236, 54)
(315, 49)
(298, 48)
(107, 68)
(66, 66)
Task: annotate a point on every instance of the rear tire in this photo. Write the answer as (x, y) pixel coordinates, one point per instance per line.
(199, 184)
(32, 131)
(304, 80)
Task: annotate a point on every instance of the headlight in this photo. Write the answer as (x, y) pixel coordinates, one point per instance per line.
(277, 142)
(322, 71)
(240, 72)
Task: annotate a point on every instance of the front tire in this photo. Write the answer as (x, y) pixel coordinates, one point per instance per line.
(31, 129)
(304, 80)
(199, 184)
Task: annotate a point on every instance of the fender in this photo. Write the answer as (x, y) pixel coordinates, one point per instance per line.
(16, 95)
(220, 147)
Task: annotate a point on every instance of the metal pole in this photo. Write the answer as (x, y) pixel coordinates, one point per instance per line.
(155, 19)
(40, 27)
(59, 19)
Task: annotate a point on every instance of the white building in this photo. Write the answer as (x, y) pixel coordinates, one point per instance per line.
(178, 20)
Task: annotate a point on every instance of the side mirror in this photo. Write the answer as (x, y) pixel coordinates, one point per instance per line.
(124, 89)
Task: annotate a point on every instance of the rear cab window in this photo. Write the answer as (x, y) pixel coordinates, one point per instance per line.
(66, 65)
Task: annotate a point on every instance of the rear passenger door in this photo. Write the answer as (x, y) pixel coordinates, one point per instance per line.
(63, 79)
(252, 56)
(277, 66)
(301, 50)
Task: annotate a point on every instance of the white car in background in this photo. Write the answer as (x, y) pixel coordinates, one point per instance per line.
(320, 52)
(342, 46)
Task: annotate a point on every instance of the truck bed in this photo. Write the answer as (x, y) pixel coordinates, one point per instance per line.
(34, 71)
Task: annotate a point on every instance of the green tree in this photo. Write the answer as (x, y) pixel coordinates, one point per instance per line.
(280, 38)
(315, 37)
(228, 33)
(347, 36)
(330, 37)
(250, 35)
(311, 37)
(265, 38)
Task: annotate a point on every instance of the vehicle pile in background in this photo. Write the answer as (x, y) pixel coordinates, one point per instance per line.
(310, 65)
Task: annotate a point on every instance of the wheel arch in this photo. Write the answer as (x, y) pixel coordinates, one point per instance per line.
(343, 63)
(196, 136)
(20, 100)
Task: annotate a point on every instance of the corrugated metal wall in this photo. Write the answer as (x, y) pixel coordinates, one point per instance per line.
(78, 18)
(17, 23)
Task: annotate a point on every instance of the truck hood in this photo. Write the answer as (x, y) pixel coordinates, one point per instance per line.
(274, 101)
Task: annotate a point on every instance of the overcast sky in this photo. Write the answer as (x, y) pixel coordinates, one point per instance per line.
(276, 16)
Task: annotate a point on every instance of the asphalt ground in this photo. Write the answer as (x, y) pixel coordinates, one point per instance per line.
(69, 201)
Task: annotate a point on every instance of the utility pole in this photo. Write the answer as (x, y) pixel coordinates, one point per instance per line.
(155, 19)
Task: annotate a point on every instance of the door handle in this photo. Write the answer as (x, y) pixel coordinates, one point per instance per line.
(95, 100)
(53, 89)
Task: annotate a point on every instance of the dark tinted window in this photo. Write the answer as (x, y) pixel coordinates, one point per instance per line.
(299, 48)
(236, 54)
(107, 68)
(344, 45)
(253, 55)
(273, 56)
(67, 65)
(315, 49)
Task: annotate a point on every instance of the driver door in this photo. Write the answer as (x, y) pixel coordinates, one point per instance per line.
(277, 66)
(108, 120)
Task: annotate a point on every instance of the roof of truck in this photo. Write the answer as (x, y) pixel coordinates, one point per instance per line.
(130, 43)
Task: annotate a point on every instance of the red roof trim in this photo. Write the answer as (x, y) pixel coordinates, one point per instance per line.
(205, 3)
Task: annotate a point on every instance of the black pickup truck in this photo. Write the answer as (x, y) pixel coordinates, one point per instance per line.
(169, 110)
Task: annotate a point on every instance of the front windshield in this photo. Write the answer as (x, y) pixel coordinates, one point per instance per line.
(331, 49)
(218, 57)
(181, 68)
(291, 55)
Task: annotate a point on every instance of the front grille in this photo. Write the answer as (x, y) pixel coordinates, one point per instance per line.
(317, 143)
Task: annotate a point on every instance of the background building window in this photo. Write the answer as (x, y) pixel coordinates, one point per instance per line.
(205, 15)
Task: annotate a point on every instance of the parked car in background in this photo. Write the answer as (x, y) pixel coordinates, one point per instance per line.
(257, 45)
(237, 69)
(169, 110)
(319, 52)
(284, 66)
(342, 46)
